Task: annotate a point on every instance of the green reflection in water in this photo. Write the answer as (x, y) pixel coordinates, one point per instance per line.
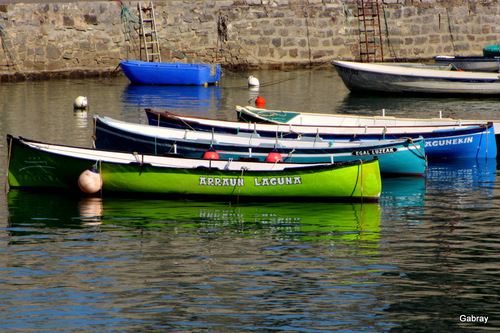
(312, 222)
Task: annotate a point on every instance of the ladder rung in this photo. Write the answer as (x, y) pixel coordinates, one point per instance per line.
(149, 39)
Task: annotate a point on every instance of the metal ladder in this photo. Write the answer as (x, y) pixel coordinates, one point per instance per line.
(371, 47)
(149, 39)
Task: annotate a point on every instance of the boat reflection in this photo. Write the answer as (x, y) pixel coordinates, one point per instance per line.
(313, 222)
(465, 174)
(450, 176)
(402, 192)
(197, 99)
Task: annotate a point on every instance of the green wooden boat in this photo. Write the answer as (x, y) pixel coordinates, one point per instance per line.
(41, 165)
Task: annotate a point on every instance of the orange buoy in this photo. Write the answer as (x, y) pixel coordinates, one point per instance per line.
(274, 157)
(260, 102)
(90, 181)
(211, 154)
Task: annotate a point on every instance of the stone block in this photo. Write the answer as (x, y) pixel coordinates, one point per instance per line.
(276, 42)
(68, 21)
(90, 19)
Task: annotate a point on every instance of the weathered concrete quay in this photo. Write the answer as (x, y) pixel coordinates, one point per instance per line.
(88, 38)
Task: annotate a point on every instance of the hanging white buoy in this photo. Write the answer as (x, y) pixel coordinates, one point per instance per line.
(81, 102)
(253, 81)
(90, 181)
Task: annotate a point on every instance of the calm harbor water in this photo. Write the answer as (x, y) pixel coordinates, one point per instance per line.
(426, 258)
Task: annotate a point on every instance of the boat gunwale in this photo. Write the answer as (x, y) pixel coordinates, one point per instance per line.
(296, 127)
(402, 143)
(425, 73)
(286, 167)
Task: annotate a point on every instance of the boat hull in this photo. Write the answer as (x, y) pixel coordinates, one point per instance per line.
(363, 77)
(491, 51)
(473, 64)
(402, 158)
(143, 72)
(40, 167)
(258, 115)
(447, 141)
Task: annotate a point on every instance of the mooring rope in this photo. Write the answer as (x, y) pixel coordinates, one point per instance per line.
(8, 165)
(410, 140)
(100, 172)
(94, 136)
(362, 188)
(4, 34)
(236, 185)
(360, 179)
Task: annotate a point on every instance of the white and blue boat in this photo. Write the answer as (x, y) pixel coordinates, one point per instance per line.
(441, 141)
(403, 157)
(415, 80)
(164, 73)
(470, 63)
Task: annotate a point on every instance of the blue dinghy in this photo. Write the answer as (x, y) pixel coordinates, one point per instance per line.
(163, 73)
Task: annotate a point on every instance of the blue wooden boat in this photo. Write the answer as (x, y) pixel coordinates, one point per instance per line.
(403, 157)
(441, 141)
(162, 73)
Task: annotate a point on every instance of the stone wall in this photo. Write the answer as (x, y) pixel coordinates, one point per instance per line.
(90, 38)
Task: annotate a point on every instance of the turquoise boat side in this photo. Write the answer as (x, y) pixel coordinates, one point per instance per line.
(406, 159)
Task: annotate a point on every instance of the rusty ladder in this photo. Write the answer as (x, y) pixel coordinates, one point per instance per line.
(371, 47)
(150, 46)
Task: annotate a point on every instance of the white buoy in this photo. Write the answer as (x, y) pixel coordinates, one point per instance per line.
(81, 102)
(253, 81)
(90, 181)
